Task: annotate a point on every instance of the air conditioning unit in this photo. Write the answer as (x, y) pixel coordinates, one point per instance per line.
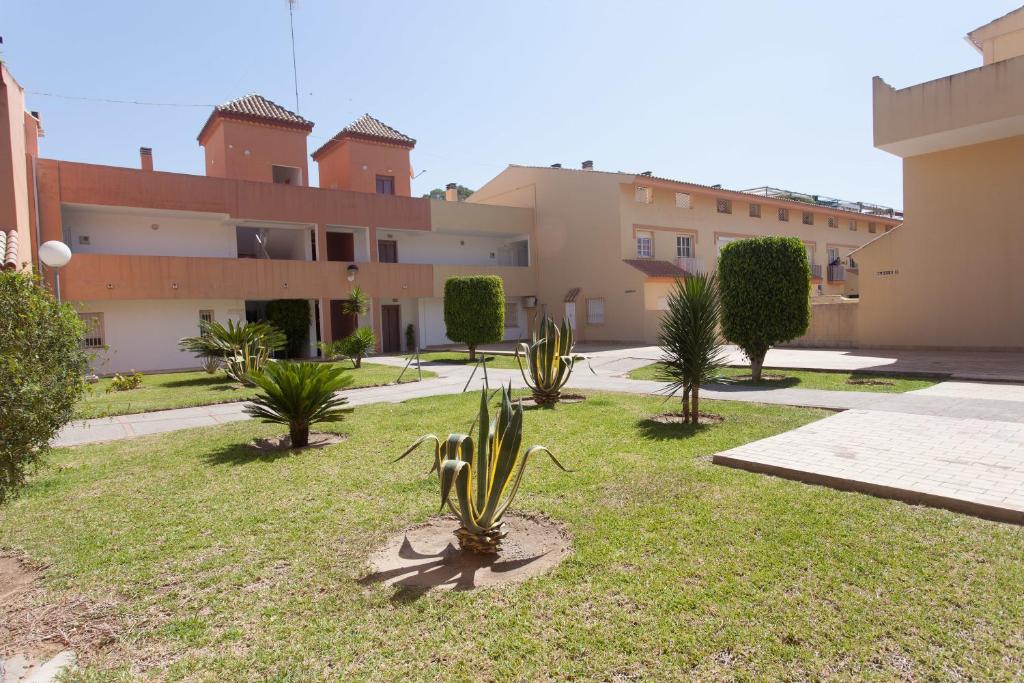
(529, 302)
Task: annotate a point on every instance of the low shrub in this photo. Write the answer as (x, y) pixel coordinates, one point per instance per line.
(358, 345)
(126, 382)
(299, 395)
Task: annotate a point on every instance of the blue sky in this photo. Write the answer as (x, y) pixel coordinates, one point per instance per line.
(739, 93)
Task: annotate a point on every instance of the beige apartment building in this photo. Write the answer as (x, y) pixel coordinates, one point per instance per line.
(608, 246)
(951, 276)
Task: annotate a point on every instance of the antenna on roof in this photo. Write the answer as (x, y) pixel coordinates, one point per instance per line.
(295, 70)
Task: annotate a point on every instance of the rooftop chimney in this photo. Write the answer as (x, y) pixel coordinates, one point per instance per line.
(451, 192)
(556, 166)
(588, 165)
(146, 158)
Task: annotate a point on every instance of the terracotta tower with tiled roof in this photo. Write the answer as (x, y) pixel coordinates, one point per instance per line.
(253, 138)
(366, 156)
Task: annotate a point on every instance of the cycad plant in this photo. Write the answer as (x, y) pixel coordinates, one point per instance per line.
(243, 349)
(484, 481)
(358, 344)
(299, 395)
(549, 359)
(691, 348)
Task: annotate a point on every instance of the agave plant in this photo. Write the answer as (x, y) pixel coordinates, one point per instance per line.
(485, 481)
(550, 361)
(299, 395)
(244, 349)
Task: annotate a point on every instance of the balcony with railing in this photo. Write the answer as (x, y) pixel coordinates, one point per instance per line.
(865, 208)
(691, 264)
(836, 273)
(816, 271)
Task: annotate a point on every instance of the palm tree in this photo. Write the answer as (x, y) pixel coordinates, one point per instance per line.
(356, 303)
(299, 395)
(691, 347)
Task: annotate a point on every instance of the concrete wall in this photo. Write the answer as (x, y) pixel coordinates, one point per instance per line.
(143, 335)
(352, 164)
(112, 230)
(14, 176)
(833, 324)
(448, 248)
(248, 151)
(952, 275)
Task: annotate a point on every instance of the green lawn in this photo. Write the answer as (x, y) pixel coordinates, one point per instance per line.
(224, 564)
(812, 379)
(185, 389)
(462, 358)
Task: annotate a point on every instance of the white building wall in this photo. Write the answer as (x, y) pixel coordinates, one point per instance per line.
(112, 231)
(448, 248)
(143, 335)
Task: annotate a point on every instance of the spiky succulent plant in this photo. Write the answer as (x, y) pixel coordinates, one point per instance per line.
(484, 481)
(549, 360)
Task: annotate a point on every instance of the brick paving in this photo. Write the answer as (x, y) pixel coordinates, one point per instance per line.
(965, 464)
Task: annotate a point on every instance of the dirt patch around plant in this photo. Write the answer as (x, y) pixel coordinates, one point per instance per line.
(528, 402)
(274, 444)
(427, 556)
(36, 625)
(677, 419)
(765, 377)
(869, 381)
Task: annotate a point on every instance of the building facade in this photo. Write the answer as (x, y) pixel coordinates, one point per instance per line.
(608, 246)
(950, 276)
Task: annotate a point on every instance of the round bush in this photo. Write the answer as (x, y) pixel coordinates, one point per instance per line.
(474, 310)
(41, 369)
(291, 316)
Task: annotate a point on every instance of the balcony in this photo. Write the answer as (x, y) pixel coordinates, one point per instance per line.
(967, 108)
(519, 280)
(691, 264)
(815, 271)
(836, 273)
(97, 277)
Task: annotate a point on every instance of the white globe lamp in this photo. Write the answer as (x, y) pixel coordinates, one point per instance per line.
(55, 254)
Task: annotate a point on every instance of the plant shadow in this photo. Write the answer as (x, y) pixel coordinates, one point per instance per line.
(660, 431)
(269, 449)
(452, 361)
(725, 383)
(211, 381)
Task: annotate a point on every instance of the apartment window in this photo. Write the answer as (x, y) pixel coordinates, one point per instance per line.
(205, 316)
(833, 222)
(853, 226)
(724, 206)
(872, 227)
(684, 246)
(595, 311)
(642, 195)
(755, 210)
(385, 184)
(682, 200)
(511, 315)
(644, 245)
(95, 335)
(286, 175)
(783, 214)
(808, 218)
(387, 251)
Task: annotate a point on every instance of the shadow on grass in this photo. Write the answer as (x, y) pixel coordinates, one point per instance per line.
(745, 384)
(211, 381)
(245, 454)
(451, 361)
(659, 431)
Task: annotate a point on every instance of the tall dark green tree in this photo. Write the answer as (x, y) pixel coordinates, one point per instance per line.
(765, 287)
(691, 348)
(474, 310)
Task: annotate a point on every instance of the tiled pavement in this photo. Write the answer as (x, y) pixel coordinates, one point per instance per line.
(965, 464)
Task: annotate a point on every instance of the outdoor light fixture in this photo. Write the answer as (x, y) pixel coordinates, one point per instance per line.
(352, 270)
(55, 254)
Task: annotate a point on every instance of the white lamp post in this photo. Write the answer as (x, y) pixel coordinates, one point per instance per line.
(55, 254)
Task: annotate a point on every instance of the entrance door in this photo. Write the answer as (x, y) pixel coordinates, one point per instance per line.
(570, 314)
(342, 324)
(390, 329)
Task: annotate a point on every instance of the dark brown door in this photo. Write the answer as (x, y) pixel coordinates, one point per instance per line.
(342, 324)
(390, 329)
(387, 251)
(340, 246)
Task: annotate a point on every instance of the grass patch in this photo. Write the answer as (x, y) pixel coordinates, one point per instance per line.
(462, 358)
(812, 379)
(234, 565)
(187, 389)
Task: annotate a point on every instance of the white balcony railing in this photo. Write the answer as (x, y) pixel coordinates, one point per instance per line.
(691, 264)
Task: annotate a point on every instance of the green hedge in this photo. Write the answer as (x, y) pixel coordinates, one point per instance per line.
(291, 316)
(474, 310)
(765, 288)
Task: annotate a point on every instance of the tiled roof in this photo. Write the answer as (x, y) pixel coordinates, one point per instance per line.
(255, 107)
(654, 268)
(9, 248)
(369, 128)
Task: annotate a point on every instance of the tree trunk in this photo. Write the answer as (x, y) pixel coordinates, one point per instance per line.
(755, 367)
(472, 352)
(358, 361)
(686, 405)
(298, 432)
(695, 410)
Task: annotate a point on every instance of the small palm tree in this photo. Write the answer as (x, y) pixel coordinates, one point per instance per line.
(299, 395)
(691, 348)
(356, 303)
(358, 344)
(242, 349)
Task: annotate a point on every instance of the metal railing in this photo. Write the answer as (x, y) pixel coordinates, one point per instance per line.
(691, 264)
(836, 273)
(865, 208)
(816, 270)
